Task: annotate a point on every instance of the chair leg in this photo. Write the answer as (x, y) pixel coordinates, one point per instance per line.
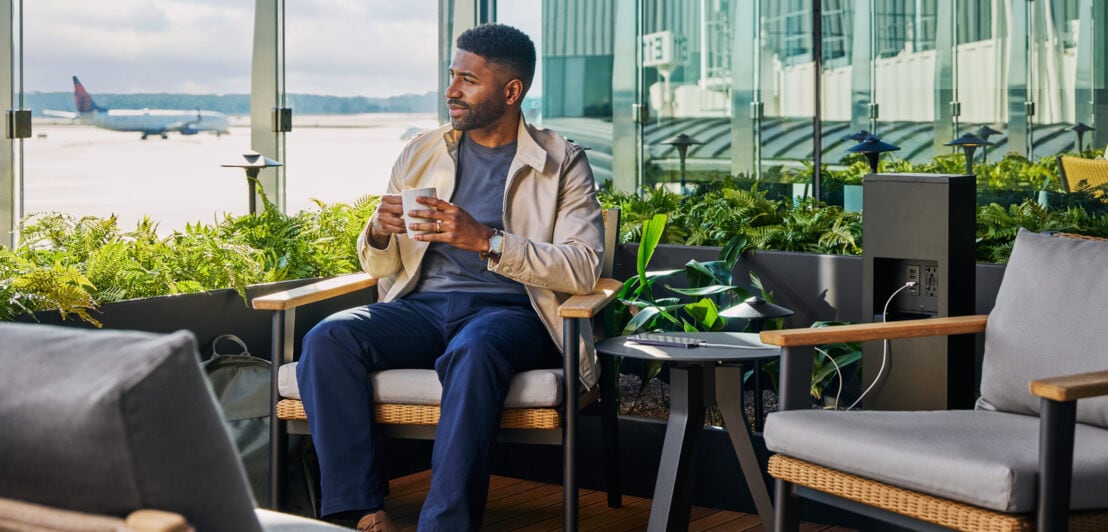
(570, 332)
(278, 477)
(609, 427)
(1056, 438)
(786, 507)
(281, 350)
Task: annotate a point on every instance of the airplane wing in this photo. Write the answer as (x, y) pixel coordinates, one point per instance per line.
(60, 114)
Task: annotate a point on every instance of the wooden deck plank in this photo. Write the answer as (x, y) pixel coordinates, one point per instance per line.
(546, 511)
(516, 504)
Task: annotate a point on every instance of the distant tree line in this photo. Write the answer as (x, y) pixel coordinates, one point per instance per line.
(238, 104)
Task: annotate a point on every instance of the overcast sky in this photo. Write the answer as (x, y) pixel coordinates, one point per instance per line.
(336, 47)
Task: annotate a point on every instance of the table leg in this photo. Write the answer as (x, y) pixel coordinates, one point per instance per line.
(731, 407)
(758, 410)
(669, 511)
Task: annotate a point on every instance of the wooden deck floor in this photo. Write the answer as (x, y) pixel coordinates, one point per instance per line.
(516, 504)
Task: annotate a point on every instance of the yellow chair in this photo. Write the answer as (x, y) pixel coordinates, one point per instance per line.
(550, 418)
(1078, 173)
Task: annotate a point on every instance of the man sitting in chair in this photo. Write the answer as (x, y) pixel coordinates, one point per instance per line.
(475, 296)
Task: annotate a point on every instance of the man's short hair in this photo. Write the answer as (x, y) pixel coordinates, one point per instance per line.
(503, 45)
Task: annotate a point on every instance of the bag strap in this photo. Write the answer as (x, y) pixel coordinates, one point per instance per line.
(230, 338)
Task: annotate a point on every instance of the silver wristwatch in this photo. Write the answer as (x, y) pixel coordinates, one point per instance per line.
(496, 245)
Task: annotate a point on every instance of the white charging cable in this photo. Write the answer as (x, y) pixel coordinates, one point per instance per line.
(885, 345)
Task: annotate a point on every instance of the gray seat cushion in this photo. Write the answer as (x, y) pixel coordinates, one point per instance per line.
(540, 388)
(988, 459)
(1048, 321)
(109, 422)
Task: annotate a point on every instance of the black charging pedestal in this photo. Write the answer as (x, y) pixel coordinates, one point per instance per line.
(919, 227)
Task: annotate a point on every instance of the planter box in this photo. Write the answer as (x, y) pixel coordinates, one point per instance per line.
(208, 315)
(817, 287)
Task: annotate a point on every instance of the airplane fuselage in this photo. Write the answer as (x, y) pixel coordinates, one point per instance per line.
(158, 121)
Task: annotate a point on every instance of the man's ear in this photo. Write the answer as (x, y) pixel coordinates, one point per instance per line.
(513, 92)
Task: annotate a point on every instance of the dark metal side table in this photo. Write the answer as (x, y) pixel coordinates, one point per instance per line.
(700, 377)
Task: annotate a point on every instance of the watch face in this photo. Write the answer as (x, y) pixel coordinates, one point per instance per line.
(495, 243)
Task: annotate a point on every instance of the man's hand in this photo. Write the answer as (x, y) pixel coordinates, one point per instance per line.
(451, 224)
(390, 219)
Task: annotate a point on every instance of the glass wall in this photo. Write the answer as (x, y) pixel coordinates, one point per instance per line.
(527, 16)
(739, 79)
(577, 54)
(361, 80)
(135, 105)
(165, 99)
(624, 78)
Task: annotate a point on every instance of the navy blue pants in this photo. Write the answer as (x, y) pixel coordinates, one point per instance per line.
(475, 342)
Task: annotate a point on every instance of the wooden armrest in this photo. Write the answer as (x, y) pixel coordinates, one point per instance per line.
(317, 291)
(861, 332)
(21, 515)
(1071, 387)
(156, 521)
(588, 305)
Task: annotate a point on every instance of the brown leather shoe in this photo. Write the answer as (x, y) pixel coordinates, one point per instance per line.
(378, 521)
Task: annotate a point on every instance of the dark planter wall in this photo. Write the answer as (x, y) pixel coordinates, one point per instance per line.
(209, 315)
(817, 287)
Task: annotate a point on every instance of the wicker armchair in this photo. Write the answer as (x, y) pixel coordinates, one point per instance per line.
(1018, 461)
(541, 406)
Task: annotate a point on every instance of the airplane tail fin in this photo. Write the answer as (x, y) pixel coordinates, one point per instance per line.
(82, 99)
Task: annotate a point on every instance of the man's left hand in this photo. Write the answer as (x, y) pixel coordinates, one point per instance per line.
(451, 225)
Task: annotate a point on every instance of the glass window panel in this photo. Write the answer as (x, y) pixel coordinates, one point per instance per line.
(576, 53)
(787, 90)
(687, 53)
(361, 79)
(526, 15)
(162, 68)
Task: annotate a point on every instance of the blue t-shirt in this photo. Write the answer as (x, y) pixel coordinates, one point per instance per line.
(479, 190)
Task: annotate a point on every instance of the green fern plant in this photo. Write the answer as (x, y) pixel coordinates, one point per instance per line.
(71, 265)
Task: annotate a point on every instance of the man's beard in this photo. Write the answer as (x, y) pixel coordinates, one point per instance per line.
(477, 116)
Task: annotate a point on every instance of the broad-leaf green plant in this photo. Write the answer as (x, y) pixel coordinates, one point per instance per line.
(709, 290)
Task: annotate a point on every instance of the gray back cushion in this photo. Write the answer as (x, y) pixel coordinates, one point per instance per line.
(1049, 320)
(113, 421)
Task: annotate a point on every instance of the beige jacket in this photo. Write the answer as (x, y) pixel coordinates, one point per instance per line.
(553, 229)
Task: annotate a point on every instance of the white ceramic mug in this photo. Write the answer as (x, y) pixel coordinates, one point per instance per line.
(408, 197)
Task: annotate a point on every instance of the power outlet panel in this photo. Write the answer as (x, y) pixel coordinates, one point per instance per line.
(913, 277)
(919, 300)
(930, 281)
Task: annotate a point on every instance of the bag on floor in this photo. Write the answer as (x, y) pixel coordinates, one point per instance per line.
(241, 385)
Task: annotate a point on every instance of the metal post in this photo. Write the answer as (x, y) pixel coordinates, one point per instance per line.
(681, 155)
(817, 115)
(251, 186)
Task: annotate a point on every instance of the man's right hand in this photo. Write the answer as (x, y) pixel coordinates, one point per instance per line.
(389, 219)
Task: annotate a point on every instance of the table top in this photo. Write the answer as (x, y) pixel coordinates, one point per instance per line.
(748, 347)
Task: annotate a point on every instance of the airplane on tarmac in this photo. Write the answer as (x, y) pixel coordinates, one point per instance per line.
(146, 121)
